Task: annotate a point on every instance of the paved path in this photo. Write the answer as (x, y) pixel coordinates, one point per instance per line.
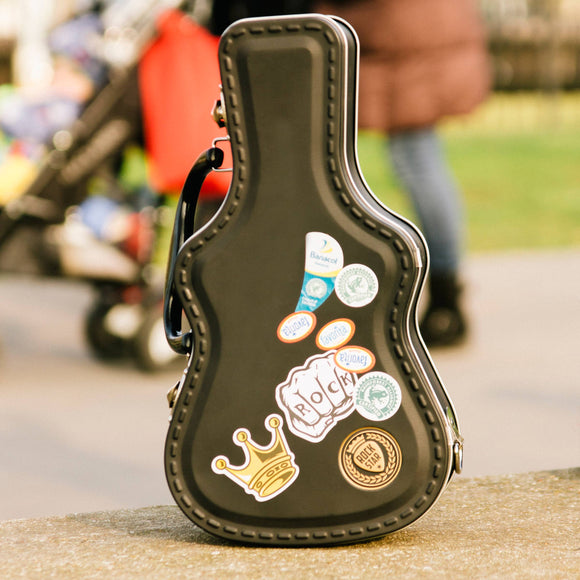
(509, 527)
(79, 436)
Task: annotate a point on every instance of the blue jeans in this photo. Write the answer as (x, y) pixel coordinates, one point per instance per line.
(420, 166)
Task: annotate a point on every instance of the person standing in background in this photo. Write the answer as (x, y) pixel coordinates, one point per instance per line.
(422, 60)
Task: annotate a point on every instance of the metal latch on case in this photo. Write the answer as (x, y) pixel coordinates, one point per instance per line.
(172, 394)
(458, 457)
(174, 391)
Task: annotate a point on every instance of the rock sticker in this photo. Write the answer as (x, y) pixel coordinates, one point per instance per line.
(315, 396)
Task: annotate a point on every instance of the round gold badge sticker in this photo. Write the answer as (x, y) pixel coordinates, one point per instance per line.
(370, 458)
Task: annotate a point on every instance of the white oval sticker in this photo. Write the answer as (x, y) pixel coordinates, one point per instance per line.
(296, 326)
(355, 359)
(335, 334)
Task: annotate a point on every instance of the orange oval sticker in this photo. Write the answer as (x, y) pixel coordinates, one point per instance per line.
(355, 359)
(296, 326)
(335, 334)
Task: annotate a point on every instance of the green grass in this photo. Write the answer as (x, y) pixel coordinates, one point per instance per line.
(518, 165)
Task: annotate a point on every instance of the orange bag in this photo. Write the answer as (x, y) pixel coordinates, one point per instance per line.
(179, 83)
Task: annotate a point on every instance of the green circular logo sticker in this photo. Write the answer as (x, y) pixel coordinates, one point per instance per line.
(316, 288)
(377, 396)
(356, 285)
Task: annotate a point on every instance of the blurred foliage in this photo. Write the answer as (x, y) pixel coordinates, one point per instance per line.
(518, 164)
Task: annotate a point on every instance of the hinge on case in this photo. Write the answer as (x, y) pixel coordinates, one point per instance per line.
(219, 115)
(173, 393)
(218, 112)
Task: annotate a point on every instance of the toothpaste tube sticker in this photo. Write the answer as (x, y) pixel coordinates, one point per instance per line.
(324, 260)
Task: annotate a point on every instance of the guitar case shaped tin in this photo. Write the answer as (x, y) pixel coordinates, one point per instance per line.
(310, 412)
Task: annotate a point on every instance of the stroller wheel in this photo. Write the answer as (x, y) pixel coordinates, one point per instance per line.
(102, 342)
(151, 349)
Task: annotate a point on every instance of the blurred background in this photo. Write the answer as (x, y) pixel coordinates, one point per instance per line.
(86, 206)
(516, 155)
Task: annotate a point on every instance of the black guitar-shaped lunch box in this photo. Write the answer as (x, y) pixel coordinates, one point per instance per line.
(310, 412)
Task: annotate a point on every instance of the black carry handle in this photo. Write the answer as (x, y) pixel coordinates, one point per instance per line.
(183, 229)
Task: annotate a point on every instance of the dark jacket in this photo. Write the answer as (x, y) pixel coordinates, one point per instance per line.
(421, 60)
(225, 12)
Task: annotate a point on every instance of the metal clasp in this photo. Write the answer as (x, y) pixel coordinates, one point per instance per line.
(173, 393)
(213, 144)
(458, 457)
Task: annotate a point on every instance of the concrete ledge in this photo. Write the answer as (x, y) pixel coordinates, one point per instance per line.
(513, 526)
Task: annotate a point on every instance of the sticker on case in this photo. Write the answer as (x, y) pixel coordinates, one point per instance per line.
(267, 471)
(370, 459)
(356, 285)
(296, 326)
(378, 396)
(335, 334)
(323, 261)
(315, 396)
(355, 359)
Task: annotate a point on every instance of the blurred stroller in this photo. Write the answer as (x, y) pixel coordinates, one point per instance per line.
(78, 217)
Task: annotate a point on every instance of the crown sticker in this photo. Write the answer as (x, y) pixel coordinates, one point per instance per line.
(267, 471)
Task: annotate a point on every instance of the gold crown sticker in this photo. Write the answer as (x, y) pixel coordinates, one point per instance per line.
(267, 471)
